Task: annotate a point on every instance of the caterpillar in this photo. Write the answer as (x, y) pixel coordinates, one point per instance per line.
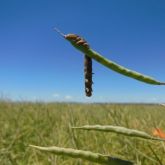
(87, 62)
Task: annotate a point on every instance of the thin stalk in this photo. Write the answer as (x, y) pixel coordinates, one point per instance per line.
(156, 156)
(118, 68)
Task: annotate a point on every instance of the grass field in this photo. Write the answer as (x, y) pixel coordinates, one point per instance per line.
(44, 124)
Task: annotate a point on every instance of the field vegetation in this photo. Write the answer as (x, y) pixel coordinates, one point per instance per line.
(49, 124)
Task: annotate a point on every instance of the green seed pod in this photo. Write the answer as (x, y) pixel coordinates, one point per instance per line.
(112, 65)
(119, 130)
(86, 155)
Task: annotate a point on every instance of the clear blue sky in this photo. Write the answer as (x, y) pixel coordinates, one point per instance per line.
(37, 64)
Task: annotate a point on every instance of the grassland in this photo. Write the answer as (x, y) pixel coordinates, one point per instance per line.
(44, 124)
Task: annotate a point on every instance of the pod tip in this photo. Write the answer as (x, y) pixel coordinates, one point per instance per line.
(58, 31)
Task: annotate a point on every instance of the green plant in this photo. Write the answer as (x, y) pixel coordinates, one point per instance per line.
(49, 124)
(80, 44)
(86, 155)
(118, 130)
(108, 63)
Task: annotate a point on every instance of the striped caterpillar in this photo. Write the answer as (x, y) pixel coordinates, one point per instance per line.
(87, 62)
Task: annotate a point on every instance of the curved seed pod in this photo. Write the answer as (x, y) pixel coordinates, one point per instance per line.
(119, 130)
(86, 155)
(112, 65)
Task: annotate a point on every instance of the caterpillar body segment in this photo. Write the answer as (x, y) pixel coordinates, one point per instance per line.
(72, 37)
(88, 75)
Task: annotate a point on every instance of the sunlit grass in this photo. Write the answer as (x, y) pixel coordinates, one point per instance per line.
(50, 125)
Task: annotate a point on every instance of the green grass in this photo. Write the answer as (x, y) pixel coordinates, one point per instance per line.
(42, 124)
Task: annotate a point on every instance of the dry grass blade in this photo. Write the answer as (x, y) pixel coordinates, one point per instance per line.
(86, 155)
(156, 156)
(119, 130)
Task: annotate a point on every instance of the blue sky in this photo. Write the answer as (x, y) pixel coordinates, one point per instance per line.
(37, 64)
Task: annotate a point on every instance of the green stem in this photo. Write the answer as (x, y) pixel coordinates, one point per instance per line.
(114, 66)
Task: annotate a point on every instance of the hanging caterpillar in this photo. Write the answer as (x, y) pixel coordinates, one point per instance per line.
(87, 62)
